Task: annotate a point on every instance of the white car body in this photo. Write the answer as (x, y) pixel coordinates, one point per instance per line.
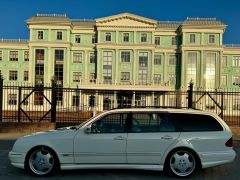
(77, 149)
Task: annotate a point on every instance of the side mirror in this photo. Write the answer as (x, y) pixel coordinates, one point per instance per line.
(87, 130)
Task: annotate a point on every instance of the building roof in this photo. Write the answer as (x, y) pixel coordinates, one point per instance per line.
(83, 22)
(203, 22)
(168, 24)
(62, 18)
(49, 18)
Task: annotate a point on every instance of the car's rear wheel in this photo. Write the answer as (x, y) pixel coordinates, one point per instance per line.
(182, 163)
(41, 162)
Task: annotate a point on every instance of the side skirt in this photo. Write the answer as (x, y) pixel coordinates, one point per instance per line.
(111, 166)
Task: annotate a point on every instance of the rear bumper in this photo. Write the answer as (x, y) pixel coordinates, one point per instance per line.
(17, 159)
(217, 158)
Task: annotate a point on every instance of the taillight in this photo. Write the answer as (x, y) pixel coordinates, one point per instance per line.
(229, 143)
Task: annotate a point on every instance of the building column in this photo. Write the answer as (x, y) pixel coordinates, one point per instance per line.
(183, 85)
(133, 99)
(68, 67)
(202, 76)
(98, 74)
(153, 99)
(115, 99)
(135, 67)
(50, 66)
(85, 61)
(202, 38)
(115, 67)
(165, 78)
(31, 68)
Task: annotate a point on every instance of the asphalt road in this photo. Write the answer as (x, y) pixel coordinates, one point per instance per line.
(229, 171)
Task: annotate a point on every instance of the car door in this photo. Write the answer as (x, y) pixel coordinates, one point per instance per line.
(150, 134)
(106, 143)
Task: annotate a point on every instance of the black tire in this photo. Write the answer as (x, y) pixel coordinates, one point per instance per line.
(181, 163)
(41, 162)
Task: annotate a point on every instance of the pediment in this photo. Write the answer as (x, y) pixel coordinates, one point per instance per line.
(126, 20)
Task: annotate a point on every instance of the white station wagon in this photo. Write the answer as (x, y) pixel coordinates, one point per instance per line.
(178, 141)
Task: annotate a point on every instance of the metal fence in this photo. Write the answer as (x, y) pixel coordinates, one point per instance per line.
(52, 103)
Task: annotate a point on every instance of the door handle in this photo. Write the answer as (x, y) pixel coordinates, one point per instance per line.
(167, 137)
(119, 138)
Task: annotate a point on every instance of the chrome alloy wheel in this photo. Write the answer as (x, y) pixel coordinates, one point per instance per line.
(41, 162)
(182, 163)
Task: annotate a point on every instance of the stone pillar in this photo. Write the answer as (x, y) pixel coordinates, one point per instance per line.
(133, 99)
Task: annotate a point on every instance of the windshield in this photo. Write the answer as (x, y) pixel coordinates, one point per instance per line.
(85, 122)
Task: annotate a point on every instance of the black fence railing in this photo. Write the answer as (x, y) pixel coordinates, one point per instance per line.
(53, 103)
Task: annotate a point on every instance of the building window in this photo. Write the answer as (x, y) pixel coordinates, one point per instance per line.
(174, 40)
(40, 35)
(236, 80)
(13, 75)
(59, 35)
(157, 59)
(224, 61)
(39, 56)
(125, 56)
(26, 100)
(39, 73)
(26, 55)
(107, 66)
(77, 57)
(77, 76)
(59, 55)
(12, 99)
(142, 76)
(172, 79)
(1, 55)
(143, 59)
(125, 37)
(223, 80)
(25, 76)
(236, 61)
(192, 38)
(157, 79)
(13, 55)
(143, 37)
(94, 39)
(125, 76)
(140, 100)
(157, 40)
(76, 100)
(108, 37)
(211, 38)
(210, 70)
(77, 39)
(92, 58)
(173, 60)
(58, 73)
(191, 67)
(92, 78)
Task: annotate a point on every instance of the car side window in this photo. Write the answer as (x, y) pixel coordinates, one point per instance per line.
(112, 123)
(195, 122)
(151, 122)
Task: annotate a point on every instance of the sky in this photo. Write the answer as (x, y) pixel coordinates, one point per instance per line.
(13, 13)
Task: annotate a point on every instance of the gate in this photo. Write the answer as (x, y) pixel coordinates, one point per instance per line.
(43, 99)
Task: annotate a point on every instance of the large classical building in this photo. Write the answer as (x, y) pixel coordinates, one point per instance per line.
(121, 56)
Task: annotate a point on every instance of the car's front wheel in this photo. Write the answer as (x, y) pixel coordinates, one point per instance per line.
(182, 163)
(41, 162)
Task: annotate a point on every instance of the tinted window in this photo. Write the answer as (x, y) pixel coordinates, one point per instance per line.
(151, 122)
(112, 123)
(195, 122)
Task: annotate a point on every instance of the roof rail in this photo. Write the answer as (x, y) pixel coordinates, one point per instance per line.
(52, 15)
(197, 18)
(163, 107)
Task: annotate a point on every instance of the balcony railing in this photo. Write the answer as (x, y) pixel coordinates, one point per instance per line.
(14, 40)
(232, 45)
(123, 83)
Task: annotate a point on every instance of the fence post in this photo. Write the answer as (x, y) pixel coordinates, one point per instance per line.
(190, 95)
(19, 103)
(54, 101)
(1, 97)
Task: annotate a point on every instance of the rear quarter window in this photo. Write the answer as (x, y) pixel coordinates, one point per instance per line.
(195, 122)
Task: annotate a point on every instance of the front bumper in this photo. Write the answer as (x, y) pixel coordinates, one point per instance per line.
(17, 159)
